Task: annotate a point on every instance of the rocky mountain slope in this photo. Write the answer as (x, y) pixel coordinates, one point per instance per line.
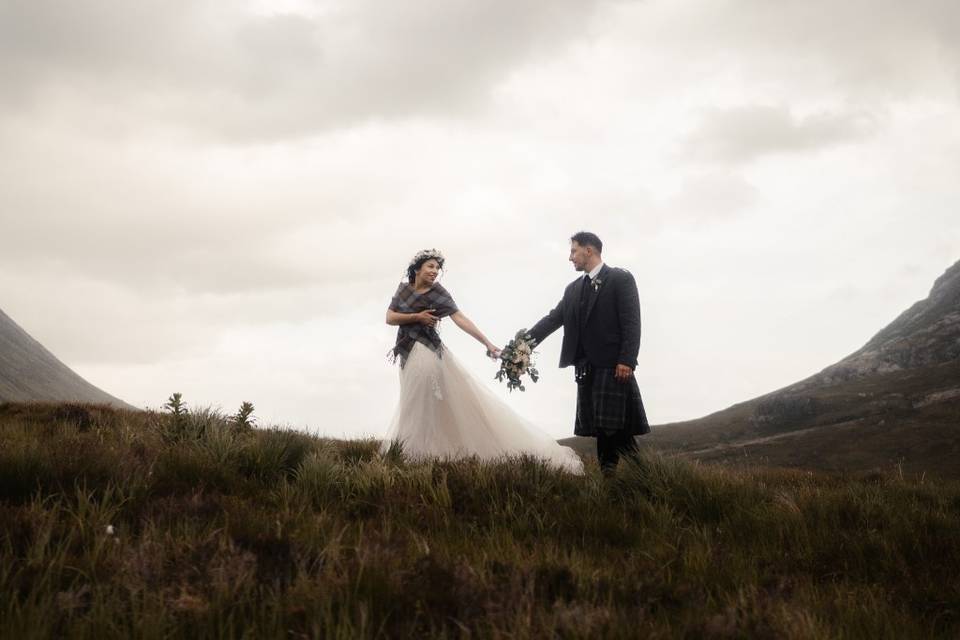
(895, 401)
(926, 334)
(29, 372)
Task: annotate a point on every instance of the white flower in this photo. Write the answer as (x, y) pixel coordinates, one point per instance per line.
(110, 530)
(516, 360)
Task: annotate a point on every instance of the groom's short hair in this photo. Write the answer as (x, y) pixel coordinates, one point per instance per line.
(587, 239)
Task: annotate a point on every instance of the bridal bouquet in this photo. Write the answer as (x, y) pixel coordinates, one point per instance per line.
(516, 359)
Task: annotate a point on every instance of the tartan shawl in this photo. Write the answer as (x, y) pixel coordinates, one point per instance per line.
(406, 300)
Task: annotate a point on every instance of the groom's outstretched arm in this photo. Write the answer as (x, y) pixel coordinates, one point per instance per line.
(548, 324)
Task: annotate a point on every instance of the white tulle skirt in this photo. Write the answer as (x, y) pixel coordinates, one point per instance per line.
(445, 412)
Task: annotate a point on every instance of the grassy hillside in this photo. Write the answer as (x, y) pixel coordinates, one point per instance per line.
(908, 418)
(143, 525)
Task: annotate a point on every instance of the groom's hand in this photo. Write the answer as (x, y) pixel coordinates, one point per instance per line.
(622, 373)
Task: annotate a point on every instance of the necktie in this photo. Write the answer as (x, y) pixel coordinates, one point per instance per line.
(584, 296)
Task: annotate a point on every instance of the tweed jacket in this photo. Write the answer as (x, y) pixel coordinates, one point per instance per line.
(606, 325)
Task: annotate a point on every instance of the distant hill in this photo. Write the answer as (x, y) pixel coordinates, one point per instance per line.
(894, 401)
(29, 372)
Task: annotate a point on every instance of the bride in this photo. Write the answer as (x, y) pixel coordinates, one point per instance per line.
(443, 410)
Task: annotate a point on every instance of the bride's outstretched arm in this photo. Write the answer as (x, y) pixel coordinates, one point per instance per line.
(467, 325)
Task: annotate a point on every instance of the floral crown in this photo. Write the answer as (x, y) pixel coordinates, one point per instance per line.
(427, 254)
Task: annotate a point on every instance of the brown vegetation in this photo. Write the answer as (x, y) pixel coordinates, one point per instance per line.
(137, 524)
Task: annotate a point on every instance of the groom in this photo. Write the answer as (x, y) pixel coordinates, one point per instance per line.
(600, 316)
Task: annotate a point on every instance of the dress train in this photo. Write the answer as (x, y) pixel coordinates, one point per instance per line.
(445, 412)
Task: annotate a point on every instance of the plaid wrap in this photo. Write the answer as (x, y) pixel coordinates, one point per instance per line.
(605, 405)
(406, 300)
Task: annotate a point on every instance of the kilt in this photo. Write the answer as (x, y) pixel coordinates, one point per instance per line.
(603, 404)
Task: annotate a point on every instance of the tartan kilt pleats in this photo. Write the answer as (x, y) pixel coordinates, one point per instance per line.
(603, 404)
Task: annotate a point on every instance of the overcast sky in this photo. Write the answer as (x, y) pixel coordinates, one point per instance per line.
(219, 198)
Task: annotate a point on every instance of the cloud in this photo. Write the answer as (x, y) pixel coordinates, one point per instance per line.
(883, 47)
(794, 52)
(743, 134)
(148, 213)
(710, 196)
(218, 68)
(195, 193)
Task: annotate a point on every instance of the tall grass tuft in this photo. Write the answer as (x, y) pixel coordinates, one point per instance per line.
(243, 419)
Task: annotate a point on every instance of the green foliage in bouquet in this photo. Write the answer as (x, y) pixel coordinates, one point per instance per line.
(516, 359)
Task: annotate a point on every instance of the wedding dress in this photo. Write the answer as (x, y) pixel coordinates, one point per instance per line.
(445, 412)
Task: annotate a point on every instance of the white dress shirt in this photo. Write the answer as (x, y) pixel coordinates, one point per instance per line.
(595, 271)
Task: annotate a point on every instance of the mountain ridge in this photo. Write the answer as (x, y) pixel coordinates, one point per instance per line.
(925, 334)
(29, 372)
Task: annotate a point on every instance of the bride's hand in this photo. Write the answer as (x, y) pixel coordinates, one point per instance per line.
(493, 351)
(427, 318)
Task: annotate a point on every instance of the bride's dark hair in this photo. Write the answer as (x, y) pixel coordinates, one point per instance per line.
(420, 259)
